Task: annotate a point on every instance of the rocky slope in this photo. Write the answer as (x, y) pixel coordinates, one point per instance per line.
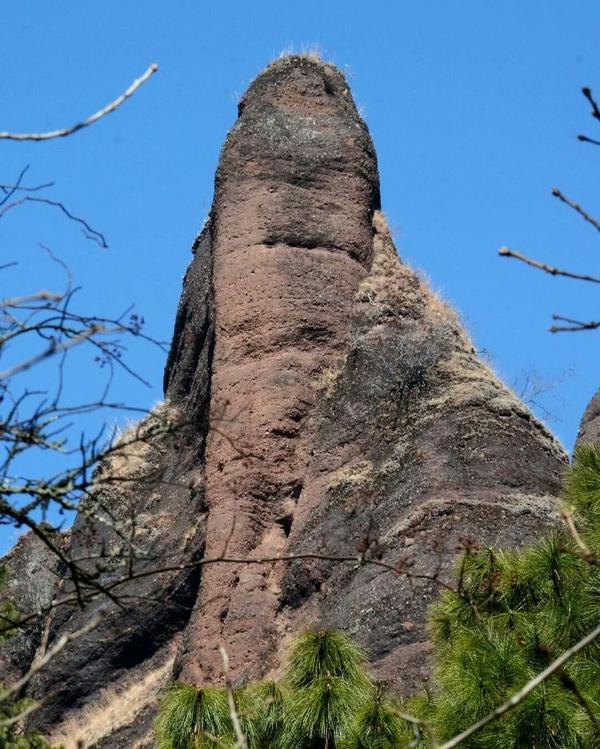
(330, 403)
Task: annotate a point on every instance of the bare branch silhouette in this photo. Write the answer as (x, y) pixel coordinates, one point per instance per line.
(107, 109)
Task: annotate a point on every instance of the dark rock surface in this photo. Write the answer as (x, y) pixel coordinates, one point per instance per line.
(325, 394)
(32, 571)
(589, 430)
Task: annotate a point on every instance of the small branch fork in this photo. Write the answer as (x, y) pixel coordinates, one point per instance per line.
(570, 325)
(573, 326)
(63, 132)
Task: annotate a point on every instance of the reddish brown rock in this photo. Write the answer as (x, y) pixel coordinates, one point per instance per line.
(291, 239)
(344, 397)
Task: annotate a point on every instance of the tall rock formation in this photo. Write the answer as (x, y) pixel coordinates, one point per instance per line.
(330, 402)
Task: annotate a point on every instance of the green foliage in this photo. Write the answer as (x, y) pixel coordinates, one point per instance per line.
(326, 653)
(318, 714)
(191, 717)
(264, 708)
(378, 725)
(325, 690)
(10, 740)
(8, 612)
(515, 613)
(582, 489)
(327, 684)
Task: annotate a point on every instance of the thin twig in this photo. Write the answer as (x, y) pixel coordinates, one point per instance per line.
(587, 92)
(519, 696)
(51, 350)
(241, 742)
(576, 207)
(585, 139)
(38, 665)
(38, 296)
(506, 252)
(89, 120)
(88, 231)
(574, 326)
(7, 722)
(586, 552)
(569, 683)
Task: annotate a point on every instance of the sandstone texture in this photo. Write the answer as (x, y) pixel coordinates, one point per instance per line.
(319, 399)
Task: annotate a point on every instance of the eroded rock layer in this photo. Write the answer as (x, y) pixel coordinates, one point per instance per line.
(331, 404)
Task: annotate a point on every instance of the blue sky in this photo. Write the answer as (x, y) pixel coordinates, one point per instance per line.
(473, 107)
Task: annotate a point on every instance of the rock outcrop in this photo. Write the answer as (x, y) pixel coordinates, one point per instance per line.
(331, 403)
(589, 429)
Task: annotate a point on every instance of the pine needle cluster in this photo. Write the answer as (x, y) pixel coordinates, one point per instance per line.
(515, 612)
(326, 700)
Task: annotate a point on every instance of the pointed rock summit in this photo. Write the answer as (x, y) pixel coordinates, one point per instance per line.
(333, 406)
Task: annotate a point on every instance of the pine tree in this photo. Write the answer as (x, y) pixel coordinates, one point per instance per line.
(378, 725)
(326, 699)
(517, 611)
(190, 717)
(327, 683)
(264, 709)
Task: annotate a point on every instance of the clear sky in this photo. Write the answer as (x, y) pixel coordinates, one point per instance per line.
(473, 107)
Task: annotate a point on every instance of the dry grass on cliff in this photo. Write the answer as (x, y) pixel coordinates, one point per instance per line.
(312, 52)
(131, 446)
(115, 707)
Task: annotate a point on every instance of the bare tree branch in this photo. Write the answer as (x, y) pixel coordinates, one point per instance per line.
(586, 553)
(89, 232)
(53, 348)
(88, 120)
(585, 139)
(38, 665)
(519, 696)
(506, 252)
(576, 207)
(587, 92)
(574, 326)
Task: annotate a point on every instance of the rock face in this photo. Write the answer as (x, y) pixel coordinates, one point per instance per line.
(589, 430)
(32, 572)
(331, 402)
